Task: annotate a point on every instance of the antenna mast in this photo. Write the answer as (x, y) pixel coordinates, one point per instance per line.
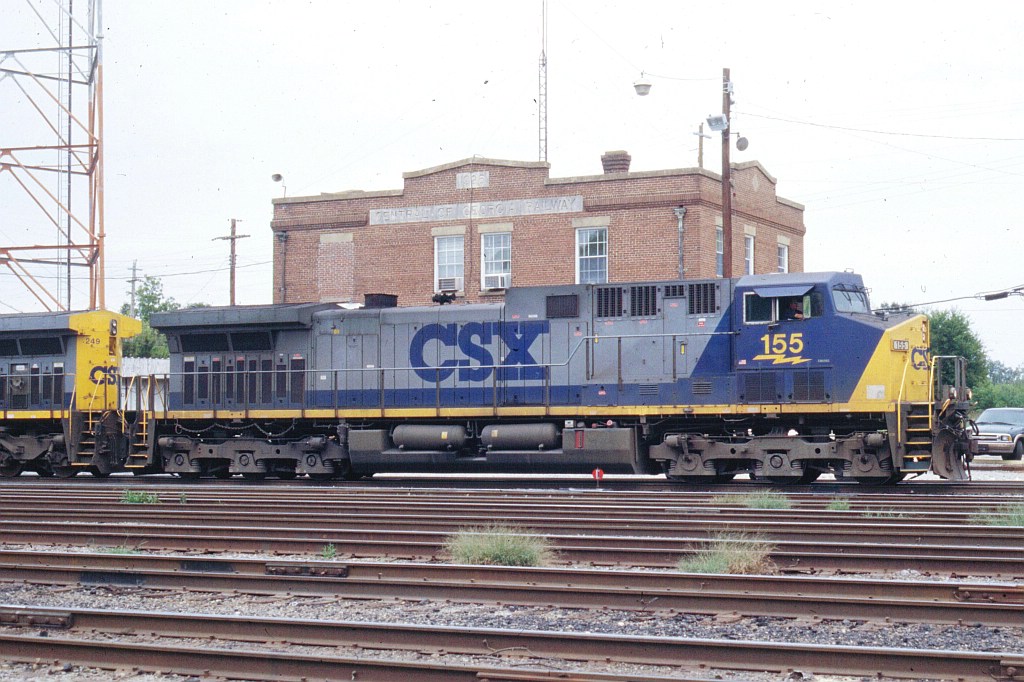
(51, 161)
(542, 96)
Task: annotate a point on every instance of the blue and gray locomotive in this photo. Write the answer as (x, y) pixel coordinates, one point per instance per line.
(782, 377)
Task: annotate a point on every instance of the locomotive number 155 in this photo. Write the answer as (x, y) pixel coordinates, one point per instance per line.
(781, 344)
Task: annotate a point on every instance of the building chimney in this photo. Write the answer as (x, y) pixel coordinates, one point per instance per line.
(616, 161)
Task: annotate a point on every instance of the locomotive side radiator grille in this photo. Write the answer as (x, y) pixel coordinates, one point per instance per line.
(760, 387)
(809, 386)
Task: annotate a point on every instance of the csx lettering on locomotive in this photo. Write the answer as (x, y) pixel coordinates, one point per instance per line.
(477, 341)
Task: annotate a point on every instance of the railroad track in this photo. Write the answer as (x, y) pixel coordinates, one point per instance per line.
(327, 635)
(933, 533)
(664, 552)
(786, 596)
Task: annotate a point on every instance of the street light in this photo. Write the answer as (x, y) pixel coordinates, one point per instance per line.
(277, 177)
(719, 122)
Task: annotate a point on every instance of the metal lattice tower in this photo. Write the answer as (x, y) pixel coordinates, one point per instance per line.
(542, 95)
(51, 155)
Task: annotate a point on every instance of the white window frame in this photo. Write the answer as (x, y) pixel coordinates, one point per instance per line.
(719, 251)
(602, 247)
(491, 265)
(451, 267)
(782, 256)
(748, 254)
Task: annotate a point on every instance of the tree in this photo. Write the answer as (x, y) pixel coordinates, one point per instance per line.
(952, 335)
(1004, 374)
(149, 299)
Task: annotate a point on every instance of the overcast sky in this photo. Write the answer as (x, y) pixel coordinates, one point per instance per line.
(900, 126)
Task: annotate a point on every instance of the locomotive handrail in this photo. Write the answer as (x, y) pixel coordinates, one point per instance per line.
(218, 401)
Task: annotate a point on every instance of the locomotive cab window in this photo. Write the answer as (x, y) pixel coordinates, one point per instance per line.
(761, 307)
(848, 298)
(758, 309)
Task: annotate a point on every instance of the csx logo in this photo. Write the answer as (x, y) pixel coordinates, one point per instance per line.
(104, 376)
(473, 340)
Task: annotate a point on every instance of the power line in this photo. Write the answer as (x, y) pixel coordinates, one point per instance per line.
(882, 132)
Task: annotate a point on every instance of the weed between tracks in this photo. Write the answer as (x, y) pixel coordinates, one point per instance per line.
(497, 545)
(139, 497)
(768, 499)
(839, 504)
(1009, 516)
(745, 553)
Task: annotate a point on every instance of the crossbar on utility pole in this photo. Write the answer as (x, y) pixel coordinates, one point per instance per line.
(233, 237)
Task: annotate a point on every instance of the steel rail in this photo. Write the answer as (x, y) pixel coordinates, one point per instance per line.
(630, 551)
(991, 605)
(574, 577)
(270, 498)
(761, 656)
(280, 666)
(688, 538)
(851, 527)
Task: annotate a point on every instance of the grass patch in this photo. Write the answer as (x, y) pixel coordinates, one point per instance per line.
(139, 497)
(329, 551)
(1007, 516)
(497, 545)
(742, 553)
(767, 499)
(838, 504)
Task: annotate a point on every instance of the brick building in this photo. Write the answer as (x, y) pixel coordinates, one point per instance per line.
(476, 226)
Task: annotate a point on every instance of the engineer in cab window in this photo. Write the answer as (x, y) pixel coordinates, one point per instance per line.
(794, 310)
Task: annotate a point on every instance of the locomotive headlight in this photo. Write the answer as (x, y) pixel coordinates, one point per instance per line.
(970, 394)
(952, 392)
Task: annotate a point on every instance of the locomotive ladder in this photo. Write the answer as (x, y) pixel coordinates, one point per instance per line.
(919, 435)
(138, 446)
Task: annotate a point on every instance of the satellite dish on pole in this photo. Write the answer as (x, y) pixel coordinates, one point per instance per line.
(742, 143)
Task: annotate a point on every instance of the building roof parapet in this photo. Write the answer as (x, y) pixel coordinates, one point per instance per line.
(476, 161)
(335, 196)
(632, 175)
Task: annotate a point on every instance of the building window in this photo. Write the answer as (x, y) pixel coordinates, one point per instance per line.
(719, 251)
(448, 263)
(592, 255)
(748, 253)
(783, 256)
(496, 260)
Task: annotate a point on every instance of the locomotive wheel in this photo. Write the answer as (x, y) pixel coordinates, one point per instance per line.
(188, 475)
(810, 476)
(98, 473)
(222, 473)
(321, 477)
(1018, 452)
(286, 474)
(65, 471)
(254, 476)
(11, 468)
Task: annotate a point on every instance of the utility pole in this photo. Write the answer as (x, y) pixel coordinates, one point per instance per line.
(726, 179)
(133, 280)
(700, 144)
(233, 237)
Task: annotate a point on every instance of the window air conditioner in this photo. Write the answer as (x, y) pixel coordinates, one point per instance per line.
(449, 284)
(497, 281)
